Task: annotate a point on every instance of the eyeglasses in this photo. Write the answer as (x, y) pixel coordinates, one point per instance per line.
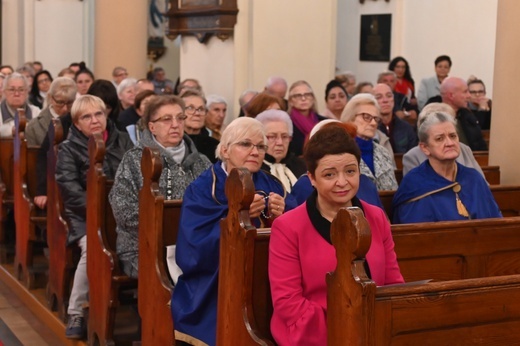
(44, 80)
(273, 137)
(246, 145)
(303, 96)
(477, 92)
(192, 110)
(60, 103)
(369, 117)
(16, 90)
(87, 118)
(168, 119)
(121, 74)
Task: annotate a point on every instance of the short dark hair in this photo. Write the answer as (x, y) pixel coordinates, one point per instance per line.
(141, 96)
(157, 102)
(106, 91)
(332, 139)
(477, 81)
(334, 84)
(443, 58)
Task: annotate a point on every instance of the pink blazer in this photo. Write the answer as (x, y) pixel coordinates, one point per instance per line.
(299, 259)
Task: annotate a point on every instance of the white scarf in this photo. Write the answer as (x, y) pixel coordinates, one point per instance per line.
(283, 173)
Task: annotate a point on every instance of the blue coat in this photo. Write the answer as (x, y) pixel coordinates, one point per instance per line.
(441, 206)
(194, 300)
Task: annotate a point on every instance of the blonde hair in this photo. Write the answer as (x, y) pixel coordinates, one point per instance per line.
(349, 112)
(298, 83)
(83, 102)
(238, 130)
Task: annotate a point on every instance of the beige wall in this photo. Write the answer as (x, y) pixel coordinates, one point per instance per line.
(120, 37)
(505, 121)
(294, 39)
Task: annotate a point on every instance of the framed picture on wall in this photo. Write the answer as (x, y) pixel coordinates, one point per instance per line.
(375, 37)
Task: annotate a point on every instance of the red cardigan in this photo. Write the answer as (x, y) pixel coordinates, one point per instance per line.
(299, 258)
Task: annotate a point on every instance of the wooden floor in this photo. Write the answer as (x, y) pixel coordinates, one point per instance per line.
(24, 316)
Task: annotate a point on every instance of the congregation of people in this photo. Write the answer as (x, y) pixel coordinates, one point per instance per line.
(306, 164)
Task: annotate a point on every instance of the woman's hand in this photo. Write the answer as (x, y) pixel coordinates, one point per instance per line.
(276, 204)
(257, 206)
(40, 201)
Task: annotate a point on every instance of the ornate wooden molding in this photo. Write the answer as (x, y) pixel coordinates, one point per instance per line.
(202, 18)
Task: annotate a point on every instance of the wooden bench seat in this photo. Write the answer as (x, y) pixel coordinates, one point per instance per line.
(61, 257)
(6, 193)
(106, 279)
(462, 312)
(158, 228)
(483, 248)
(29, 218)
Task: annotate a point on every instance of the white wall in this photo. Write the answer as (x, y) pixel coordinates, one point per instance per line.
(51, 31)
(422, 30)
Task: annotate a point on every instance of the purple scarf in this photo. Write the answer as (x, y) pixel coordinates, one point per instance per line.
(302, 122)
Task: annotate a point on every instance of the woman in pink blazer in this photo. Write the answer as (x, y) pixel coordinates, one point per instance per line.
(300, 250)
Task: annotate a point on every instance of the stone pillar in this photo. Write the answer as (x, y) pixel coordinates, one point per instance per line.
(505, 122)
(120, 37)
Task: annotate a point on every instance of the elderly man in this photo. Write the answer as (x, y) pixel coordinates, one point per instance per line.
(402, 108)
(454, 92)
(118, 74)
(244, 99)
(277, 86)
(15, 93)
(402, 135)
(217, 108)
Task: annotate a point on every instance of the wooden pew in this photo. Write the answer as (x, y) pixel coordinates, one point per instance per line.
(490, 247)
(506, 196)
(106, 278)
(465, 312)
(492, 174)
(61, 262)
(398, 157)
(458, 249)
(244, 307)
(158, 227)
(27, 215)
(6, 192)
(482, 157)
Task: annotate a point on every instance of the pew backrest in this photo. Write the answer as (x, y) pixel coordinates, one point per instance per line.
(158, 228)
(466, 312)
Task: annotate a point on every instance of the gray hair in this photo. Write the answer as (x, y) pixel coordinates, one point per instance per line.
(276, 115)
(15, 75)
(431, 119)
(211, 99)
(434, 107)
(275, 80)
(238, 130)
(384, 74)
(244, 94)
(125, 84)
(349, 112)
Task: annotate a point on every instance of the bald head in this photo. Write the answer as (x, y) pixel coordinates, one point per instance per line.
(385, 99)
(454, 92)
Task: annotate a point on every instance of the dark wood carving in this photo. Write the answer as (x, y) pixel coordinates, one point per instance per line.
(202, 18)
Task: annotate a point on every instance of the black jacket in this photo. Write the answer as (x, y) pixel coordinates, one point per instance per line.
(298, 139)
(71, 173)
(471, 128)
(294, 163)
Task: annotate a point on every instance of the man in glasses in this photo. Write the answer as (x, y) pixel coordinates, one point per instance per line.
(402, 135)
(118, 74)
(14, 96)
